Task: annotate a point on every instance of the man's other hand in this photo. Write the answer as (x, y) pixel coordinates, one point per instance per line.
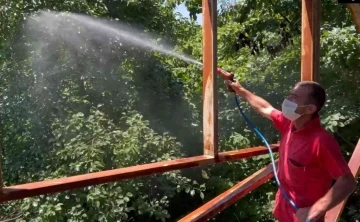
(309, 214)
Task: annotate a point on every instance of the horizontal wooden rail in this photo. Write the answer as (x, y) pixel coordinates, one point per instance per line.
(79, 181)
(334, 214)
(229, 197)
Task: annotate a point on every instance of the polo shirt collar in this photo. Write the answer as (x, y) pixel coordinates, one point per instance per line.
(310, 126)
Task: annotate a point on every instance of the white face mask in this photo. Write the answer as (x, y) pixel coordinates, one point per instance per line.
(288, 110)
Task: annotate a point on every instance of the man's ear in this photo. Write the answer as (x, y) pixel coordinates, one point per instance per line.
(311, 109)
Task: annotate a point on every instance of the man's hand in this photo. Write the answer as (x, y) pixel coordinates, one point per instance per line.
(260, 105)
(234, 85)
(310, 214)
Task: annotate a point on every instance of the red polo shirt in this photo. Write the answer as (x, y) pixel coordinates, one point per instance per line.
(309, 159)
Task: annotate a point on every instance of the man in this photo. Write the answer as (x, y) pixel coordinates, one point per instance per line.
(309, 157)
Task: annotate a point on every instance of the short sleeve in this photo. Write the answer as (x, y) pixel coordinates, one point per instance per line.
(331, 157)
(279, 121)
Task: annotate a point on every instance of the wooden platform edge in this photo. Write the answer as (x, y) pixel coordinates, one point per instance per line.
(229, 197)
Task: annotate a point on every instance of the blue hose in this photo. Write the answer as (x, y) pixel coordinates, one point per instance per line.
(251, 125)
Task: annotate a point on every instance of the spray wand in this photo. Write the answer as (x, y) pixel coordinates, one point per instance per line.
(226, 76)
(230, 76)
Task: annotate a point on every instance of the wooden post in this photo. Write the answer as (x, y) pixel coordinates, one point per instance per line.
(310, 40)
(210, 102)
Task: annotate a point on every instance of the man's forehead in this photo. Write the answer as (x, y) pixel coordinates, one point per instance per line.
(300, 91)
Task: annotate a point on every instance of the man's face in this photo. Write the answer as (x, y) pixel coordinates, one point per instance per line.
(301, 96)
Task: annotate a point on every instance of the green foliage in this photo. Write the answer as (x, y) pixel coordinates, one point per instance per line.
(92, 144)
(88, 112)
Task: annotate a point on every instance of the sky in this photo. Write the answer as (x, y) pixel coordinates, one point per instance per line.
(182, 9)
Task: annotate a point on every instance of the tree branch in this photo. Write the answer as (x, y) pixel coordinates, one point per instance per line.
(285, 18)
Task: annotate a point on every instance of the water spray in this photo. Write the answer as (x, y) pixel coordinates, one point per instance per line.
(229, 76)
(53, 22)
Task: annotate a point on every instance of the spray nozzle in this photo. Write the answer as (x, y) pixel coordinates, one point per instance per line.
(226, 76)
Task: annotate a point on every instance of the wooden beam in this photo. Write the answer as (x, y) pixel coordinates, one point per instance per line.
(310, 40)
(229, 197)
(74, 182)
(334, 214)
(210, 102)
(355, 14)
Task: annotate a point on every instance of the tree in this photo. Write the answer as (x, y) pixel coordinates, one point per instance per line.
(106, 103)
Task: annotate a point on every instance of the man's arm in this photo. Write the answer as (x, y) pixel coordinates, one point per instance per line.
(342, 189)
(333, 161)
(344, 186)
(260, 105)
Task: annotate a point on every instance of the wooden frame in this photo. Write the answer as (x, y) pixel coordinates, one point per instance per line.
(310, 40)
(74, 182)
(229, 197)
(210, 102)
(210, 134)
(309, 72)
